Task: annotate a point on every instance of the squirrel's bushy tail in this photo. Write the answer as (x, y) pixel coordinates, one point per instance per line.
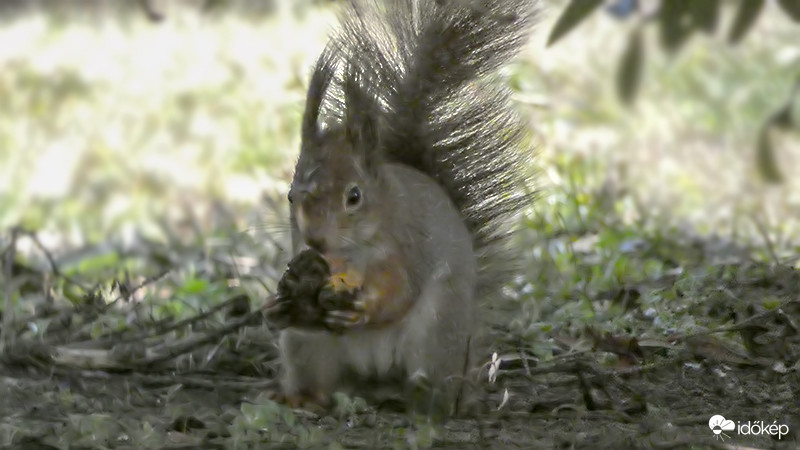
(426, 65)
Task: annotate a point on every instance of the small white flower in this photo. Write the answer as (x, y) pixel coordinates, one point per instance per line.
(505, 399)
(494, 366)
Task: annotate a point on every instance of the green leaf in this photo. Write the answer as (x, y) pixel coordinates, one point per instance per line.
(630, 70)
(771, 303)
(705, 14)
(288, 417)
(783, 117)
(676, 24)
(745, 18)
(792, 8)
(97, 263)
(573, 14)
(765, 157)
(97, 330)
(194, 286)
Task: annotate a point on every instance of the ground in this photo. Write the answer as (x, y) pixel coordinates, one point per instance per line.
(143, 174)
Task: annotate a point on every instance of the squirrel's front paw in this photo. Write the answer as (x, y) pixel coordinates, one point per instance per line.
(296, 300)
(309, 296)
(343, 309)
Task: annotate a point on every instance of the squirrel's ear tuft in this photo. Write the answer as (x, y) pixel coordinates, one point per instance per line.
(361, 118)
(324, 71)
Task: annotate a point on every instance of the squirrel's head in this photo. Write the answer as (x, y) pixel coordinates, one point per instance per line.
(335, 191)
(334, 196)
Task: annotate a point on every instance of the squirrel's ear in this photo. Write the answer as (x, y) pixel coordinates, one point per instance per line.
(361, 117)
(324, 70)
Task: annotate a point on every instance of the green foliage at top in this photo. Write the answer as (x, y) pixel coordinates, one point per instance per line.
(677, 22)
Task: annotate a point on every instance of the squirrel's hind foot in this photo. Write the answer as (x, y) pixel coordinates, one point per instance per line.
(317, 403)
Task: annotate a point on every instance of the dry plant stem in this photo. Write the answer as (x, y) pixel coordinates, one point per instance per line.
(55, 270)
(6, 334)
(754, 319)
(105, 359)
(594, 373)
(114, 336)
(762, 230)
(569, 411)
(180, 324)
(464, 370)
(147, 281)
(202, 382)
(51, 260)
(183, 346)
(88, 358)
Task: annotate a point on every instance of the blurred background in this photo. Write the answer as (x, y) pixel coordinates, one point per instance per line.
(146, 150)
(129, 126)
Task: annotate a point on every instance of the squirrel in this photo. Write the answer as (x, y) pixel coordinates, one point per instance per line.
(411, 172)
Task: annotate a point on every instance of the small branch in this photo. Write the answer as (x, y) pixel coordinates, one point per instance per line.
(198, 382)
(147, 281)
(185, 322)
(51, 260)
(128, 356)
(762, 230)
(191, 343)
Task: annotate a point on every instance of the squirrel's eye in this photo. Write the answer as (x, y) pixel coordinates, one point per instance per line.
(353, 198)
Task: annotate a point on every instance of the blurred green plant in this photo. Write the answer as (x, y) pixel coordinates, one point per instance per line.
(265, 421)
(677, 21)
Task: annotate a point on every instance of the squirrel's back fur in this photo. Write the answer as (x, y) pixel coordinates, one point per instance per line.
(423, 68)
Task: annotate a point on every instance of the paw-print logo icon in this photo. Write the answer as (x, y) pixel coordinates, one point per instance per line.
(719, 425)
